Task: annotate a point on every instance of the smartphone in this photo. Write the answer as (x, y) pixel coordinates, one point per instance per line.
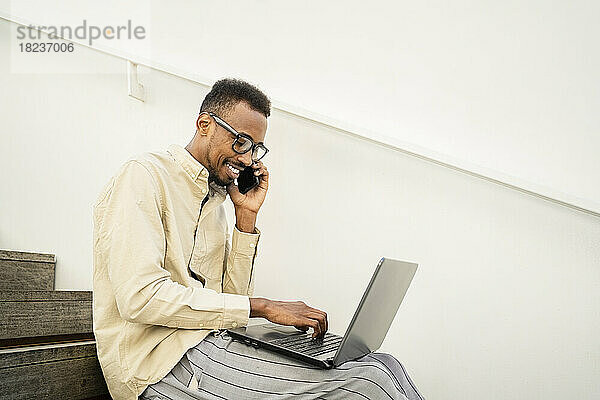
(247, 180)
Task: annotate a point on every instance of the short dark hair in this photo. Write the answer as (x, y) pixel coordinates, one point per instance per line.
(227, 93)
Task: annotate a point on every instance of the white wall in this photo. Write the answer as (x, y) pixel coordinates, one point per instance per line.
(504, 305)
(510, 89)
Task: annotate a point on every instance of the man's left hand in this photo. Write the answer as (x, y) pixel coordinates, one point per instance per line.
(247, 205)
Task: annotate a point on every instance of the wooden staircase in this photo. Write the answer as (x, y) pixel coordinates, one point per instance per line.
(47, 346)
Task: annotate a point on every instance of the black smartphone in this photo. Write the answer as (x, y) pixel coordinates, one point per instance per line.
(247, 180)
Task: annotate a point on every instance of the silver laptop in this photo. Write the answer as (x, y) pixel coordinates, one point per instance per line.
(370, 324)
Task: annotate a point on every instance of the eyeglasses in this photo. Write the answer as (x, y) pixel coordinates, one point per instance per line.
(243, 143)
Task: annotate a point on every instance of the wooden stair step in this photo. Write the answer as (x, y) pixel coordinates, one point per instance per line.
(31, 314)
(55, 371)
(26, 271)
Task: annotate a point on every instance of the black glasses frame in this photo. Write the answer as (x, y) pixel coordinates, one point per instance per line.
(237, 135)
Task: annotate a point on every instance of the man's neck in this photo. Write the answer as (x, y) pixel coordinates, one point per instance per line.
(193, 150)
(194, 153)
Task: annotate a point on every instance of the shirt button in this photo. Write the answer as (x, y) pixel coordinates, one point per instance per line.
(204, 172)
(200, 324)
(203, 190)
(234, 324)
(251, 245)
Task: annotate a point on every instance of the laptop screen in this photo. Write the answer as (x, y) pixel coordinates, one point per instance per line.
(377, 309)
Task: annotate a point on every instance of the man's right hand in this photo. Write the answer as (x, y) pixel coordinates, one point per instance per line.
(291, 313)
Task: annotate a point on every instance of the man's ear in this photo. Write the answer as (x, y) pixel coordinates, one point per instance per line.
(203, 124)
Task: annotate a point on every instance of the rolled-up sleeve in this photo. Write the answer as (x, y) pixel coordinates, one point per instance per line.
(239, 270)
(135, 244)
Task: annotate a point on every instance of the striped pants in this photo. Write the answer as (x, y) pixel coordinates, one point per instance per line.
(220, 368)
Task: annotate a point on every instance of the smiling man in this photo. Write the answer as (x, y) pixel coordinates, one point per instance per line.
(168, 278)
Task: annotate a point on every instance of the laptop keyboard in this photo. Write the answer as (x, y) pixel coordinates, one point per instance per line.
(305, 343)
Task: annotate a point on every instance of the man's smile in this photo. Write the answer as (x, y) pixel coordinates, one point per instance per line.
(232, 171)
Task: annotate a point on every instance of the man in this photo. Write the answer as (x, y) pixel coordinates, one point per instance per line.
(168, 278)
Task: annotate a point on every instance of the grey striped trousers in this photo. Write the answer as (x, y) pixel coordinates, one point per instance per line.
(220, 368)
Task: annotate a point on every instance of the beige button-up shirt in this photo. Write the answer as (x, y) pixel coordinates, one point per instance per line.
(165, 270)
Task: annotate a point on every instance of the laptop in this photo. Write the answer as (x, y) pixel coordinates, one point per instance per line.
(369, 325)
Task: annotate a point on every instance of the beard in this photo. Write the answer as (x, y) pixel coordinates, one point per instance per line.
(213, 170)
(213, 177)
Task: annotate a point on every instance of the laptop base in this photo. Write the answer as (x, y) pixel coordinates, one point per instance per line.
(269, 336)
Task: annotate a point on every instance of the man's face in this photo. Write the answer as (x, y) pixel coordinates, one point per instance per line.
(222, 160)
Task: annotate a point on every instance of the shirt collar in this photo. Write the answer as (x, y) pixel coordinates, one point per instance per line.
(192, 166)
(194, 169)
